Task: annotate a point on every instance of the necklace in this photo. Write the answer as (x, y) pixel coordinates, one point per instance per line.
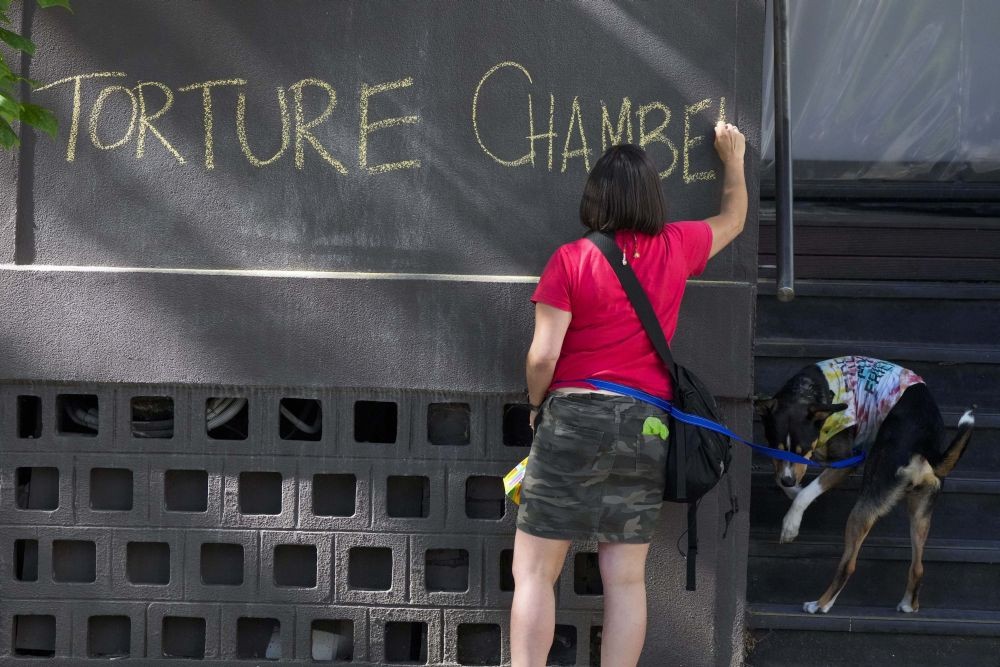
(635, 250)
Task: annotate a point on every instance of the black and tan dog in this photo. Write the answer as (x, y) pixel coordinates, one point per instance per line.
(825, 412)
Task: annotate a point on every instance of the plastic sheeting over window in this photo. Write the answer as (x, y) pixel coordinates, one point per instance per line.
(900, 90)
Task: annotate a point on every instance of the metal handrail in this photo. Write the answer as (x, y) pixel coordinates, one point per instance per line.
(785, 251)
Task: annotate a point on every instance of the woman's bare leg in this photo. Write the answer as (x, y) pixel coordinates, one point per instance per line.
(623, 572)
(537, 563)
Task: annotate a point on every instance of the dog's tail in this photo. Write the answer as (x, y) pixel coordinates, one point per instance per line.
(957, 446)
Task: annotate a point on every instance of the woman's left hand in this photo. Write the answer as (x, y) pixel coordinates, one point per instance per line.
(531, 419)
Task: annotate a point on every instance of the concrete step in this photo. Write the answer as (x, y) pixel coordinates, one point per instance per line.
(959, 622)
(957, 575)
(884, 289)
(857, 315)
(968, 508)
(783, 635)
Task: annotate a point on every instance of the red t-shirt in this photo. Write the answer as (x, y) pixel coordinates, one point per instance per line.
(605, 338)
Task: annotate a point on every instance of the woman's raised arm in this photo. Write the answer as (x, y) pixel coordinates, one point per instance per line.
(727, 225)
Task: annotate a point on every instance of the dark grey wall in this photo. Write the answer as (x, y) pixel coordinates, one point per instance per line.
(454, 209)
(203, 289)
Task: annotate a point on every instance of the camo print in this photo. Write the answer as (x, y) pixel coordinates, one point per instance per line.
(591, 473)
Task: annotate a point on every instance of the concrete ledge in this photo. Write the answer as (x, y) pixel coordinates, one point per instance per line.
(289, 331)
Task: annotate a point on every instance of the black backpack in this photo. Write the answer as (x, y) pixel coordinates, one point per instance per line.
(697, 457)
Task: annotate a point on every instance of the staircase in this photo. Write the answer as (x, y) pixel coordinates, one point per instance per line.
(949, 333)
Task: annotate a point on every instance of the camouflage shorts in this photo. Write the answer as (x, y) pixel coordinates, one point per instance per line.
(591, 473)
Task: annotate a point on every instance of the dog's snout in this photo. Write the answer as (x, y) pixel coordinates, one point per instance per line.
(787, 480)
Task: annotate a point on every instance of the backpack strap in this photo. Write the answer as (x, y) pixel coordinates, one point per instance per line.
(606, 243)
(692, 554)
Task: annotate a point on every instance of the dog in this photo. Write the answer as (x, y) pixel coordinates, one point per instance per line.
(829, 410)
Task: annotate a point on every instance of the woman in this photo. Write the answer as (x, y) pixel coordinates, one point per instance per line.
(591, 473)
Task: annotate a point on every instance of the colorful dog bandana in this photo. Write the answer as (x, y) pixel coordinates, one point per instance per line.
(870, 388)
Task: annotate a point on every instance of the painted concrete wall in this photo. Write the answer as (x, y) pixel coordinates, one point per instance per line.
(385, 255)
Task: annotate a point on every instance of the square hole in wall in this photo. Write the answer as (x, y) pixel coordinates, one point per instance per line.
(227, 418)
(369, 568)
(29, 417)
(221, 564)
(478, 644)
(587, 574)
(295, 565)
(152, 417)
(109, 636)
(260, 492)
(301, 419)
(406, 643)
(484, 498)
(446, 570)
(185, 490)
(26, 560)
(375, 421)
(258, 638)
(408, 496)
(37, 488)
(516, 429)
(74, 561)
(111, 489)
(147, 563)
(34, 635)
(507, 570)
(183, 637)
(77, 414)
(449, 424)
(596, 634)
(563, 650)
(332, 640)
(334, 495)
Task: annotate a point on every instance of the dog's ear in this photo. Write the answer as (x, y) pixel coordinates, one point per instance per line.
(765, 406)
(820, 411)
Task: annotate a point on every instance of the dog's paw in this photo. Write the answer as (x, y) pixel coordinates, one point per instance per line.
(813, 607)
(906, 608)
(789, 531)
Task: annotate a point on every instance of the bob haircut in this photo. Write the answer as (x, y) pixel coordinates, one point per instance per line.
(623, 192)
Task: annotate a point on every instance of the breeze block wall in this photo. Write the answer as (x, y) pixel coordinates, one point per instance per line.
(382, 536)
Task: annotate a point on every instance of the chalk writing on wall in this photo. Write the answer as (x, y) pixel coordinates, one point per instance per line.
(650, 124)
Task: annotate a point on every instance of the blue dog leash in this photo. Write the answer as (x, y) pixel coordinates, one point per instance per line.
(701, 422)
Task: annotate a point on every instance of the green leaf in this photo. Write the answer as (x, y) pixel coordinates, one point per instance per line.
(18, 42)
(8, 138)
(43, 119)
(4, 5)
(54, 3)
(10, 105)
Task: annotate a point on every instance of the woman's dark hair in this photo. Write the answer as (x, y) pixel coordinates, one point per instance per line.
(623, 192)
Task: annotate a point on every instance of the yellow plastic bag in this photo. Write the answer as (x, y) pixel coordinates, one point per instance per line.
(512, 481)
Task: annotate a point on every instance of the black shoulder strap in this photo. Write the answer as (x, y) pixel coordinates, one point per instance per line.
(637, 295)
